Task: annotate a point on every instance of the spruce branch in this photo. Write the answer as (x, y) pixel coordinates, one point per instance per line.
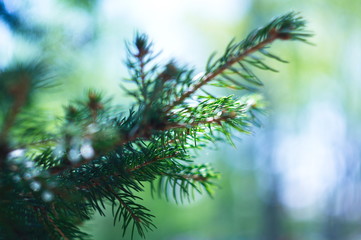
(53, 224)
(99, 154)
(210, 76)
(150, 162)
(98, 181)
(287, 27)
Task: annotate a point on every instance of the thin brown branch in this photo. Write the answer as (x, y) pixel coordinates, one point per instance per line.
(94, 182)
(209, 77)
(49, 219)
(214, 120)
(198, 178)
(139, 134)
(56, 227)
(142, 75)
(130, 211)
(150, 162)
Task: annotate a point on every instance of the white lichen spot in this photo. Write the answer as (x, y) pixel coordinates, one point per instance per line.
(47, 196)
(74, 156)
(87, 151)
(35, 186)
(16, 153)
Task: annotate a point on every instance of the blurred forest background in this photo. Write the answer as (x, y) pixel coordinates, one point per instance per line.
(296, 177)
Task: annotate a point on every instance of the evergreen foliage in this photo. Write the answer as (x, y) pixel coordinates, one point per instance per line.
(50, 182)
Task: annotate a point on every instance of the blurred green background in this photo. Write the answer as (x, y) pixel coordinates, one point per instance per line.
(296, 177)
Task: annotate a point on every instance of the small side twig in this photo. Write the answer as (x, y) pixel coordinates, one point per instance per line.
(214, 120)
(209, 77)
(150, 162)
(57, 228)
(130, 211)
(48, 218)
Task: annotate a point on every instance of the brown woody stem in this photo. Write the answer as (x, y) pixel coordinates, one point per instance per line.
(210, 76)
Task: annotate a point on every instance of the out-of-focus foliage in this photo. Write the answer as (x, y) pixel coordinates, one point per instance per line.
(84, 4)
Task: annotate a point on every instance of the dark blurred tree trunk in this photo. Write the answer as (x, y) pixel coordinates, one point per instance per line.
(342, 212)
(334, 228)
(272, 210)
(272, 222)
